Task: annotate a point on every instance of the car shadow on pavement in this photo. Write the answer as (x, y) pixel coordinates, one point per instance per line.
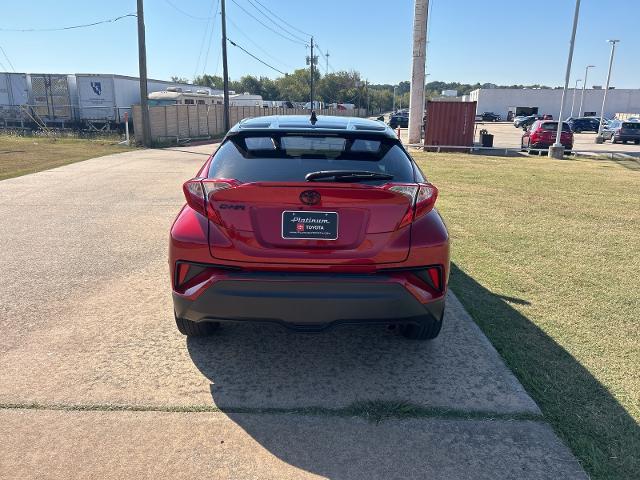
(264, 368)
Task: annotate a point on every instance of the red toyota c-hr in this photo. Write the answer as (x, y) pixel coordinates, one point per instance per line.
(310, 223)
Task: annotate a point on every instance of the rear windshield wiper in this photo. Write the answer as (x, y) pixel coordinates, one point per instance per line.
(347, 175)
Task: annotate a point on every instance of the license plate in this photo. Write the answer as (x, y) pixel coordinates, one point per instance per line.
(310, 225)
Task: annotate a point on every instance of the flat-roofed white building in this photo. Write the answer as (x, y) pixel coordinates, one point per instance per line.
(527, 101)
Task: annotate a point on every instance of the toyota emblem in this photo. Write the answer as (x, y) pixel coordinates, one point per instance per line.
(310, 197)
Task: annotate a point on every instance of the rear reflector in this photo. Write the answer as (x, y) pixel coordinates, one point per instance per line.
(432, 276)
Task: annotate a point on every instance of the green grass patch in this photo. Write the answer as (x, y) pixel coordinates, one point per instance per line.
(24, 155)
(547, 260)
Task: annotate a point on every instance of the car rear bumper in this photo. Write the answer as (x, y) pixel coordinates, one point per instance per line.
(311, 302)
(627, 138)
(546, 145)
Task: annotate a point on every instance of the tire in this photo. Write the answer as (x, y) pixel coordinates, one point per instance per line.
(426, 330)
(637, 142)
(577, 130)
(196, 329)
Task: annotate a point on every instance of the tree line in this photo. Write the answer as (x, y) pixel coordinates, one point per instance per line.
(339, 87)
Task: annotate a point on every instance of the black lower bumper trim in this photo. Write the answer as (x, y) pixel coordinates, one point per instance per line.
(308, 306)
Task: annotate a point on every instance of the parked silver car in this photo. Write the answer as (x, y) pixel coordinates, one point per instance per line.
(619, 131)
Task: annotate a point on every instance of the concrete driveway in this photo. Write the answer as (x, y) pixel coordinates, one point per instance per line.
(97, 382)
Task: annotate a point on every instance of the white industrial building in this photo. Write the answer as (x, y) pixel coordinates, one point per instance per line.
(547, 101)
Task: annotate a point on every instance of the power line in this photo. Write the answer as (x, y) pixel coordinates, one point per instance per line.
(252, 55)
(7, 57)
(283, 20)
(204, 39)
(213, 28)
(110, 20)
(257, 45)
(267, 26)
(186, 14)
(276, 21)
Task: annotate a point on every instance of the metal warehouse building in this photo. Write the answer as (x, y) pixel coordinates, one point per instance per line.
(528, 101)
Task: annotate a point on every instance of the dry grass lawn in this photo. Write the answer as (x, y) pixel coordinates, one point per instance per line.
(547, 261)
(23, 155)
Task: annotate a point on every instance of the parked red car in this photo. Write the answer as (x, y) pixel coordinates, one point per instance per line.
(310, 223)
(542, 134)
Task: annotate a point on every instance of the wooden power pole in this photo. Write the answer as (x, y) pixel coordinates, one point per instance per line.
(416, 98)
(225, 71)
(142, 62)
(312, 69)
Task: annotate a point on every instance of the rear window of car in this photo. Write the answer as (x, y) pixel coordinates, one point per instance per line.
(289, 158)
(554, 126)
(631, 125)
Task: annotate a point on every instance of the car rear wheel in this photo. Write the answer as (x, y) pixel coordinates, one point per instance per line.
(196, 329)
(637, 142)
(425, 330)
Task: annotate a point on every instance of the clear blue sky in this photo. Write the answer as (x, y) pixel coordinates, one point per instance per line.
(499, 41)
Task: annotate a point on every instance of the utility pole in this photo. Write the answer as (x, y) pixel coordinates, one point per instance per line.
(573, 102)
(142, 65)
(366, 86)
(311, 63)
(557, 149)
(394, 98)
(326, 65)
(225, 71)
(416, 98)
(599, 138)
(584, 85)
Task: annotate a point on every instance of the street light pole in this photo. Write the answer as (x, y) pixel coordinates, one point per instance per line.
(599, 138)
(584, 85)
(573, 102)
(557, 150)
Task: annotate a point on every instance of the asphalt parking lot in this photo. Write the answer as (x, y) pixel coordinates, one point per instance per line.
(96, 382)
(508, 136)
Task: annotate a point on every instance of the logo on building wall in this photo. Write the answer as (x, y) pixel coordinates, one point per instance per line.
(97, 87)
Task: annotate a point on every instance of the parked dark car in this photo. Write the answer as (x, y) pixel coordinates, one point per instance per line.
(619, 131)
(583, 124)
(542, 134)
(547, 116)
(400, 119)
(310, 223)
(488, 117)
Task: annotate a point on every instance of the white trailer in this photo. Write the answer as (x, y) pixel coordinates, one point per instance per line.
(53, 98)
(104, 98)
(245, 100)
(14, 96)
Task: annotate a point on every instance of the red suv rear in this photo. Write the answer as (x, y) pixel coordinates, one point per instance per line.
(542, 134)
(310, 224)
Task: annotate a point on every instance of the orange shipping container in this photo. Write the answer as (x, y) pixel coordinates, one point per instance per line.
(449, 124)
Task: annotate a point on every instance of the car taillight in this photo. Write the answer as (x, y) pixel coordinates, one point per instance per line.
(200, 192)
(422, 197)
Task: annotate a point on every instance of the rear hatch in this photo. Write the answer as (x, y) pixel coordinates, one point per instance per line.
(272, 214)
(630, 129)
